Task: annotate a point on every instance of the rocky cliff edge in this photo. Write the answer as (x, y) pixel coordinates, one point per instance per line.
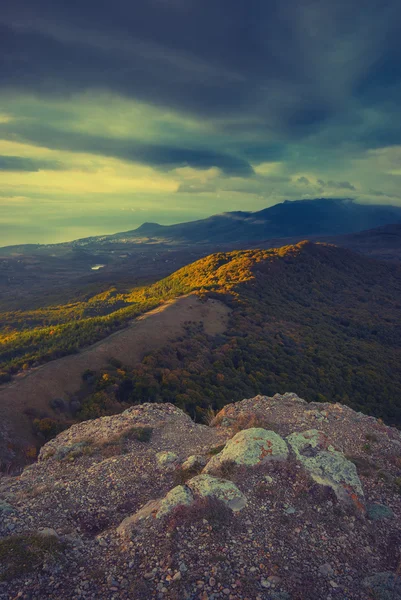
(277, 499)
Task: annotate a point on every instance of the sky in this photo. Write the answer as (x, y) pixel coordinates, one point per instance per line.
(117, 113)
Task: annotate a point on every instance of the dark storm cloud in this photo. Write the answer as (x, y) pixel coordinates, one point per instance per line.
(160, 156)
(296, 64)
(339, 185)
(19, 163)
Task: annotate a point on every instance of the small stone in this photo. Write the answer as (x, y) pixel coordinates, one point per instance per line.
(290, 510)
(177, 576)
(264, 583)
(48, 532)
(326, 570)
(376, 512)
(212, 582)
(6, 508)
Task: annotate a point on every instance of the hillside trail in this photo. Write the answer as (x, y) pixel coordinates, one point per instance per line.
(63, 377)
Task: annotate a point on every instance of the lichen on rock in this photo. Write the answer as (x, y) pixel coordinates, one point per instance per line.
(326, 465)
(194, 461)
(223, 489)
(166, 459)
(180, 495)
(250, 447)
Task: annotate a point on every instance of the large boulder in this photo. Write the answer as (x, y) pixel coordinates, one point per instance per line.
(250, 447)
(200, 486)
(327, 466)
(178, 496)
(223, 489)
(193, 462)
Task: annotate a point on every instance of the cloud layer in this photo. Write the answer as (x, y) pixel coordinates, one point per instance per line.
(196, 105)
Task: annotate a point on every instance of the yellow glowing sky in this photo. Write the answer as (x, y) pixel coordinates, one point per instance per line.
(78, 190)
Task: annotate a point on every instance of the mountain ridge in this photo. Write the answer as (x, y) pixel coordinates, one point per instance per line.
(299, 217)
(310, 217)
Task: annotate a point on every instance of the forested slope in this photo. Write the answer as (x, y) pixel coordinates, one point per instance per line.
(310, 317)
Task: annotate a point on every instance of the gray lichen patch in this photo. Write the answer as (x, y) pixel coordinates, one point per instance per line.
(206, 485)
(166, 459)
(326, 466)
(250, 447)
(180, 495)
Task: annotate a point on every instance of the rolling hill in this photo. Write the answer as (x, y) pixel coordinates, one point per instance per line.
(312, 317)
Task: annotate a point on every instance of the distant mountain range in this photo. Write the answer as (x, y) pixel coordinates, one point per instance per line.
(296, 220)
(320, 216)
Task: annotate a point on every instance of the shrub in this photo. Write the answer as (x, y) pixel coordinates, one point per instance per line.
(71, 451)
(117, 444)
(226, 469)
(58, 404)
(209, 416)
(216, 450)
(88, 375)
(141, 434)
(21, 554)
(371, 437)
(91, 522)
(115, 362)
(182, 475)
(4, 377)
(48, 428)
(30, 452)
(363, 465)
(215, 511)
(254, 419)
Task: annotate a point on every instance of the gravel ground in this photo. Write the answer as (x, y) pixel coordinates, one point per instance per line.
(293, 541)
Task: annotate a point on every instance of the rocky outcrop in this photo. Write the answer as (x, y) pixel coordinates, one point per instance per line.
(226, 491)
(327, 466)
(196, 461)
(201, 486)
(148, 504)
(250, 447)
